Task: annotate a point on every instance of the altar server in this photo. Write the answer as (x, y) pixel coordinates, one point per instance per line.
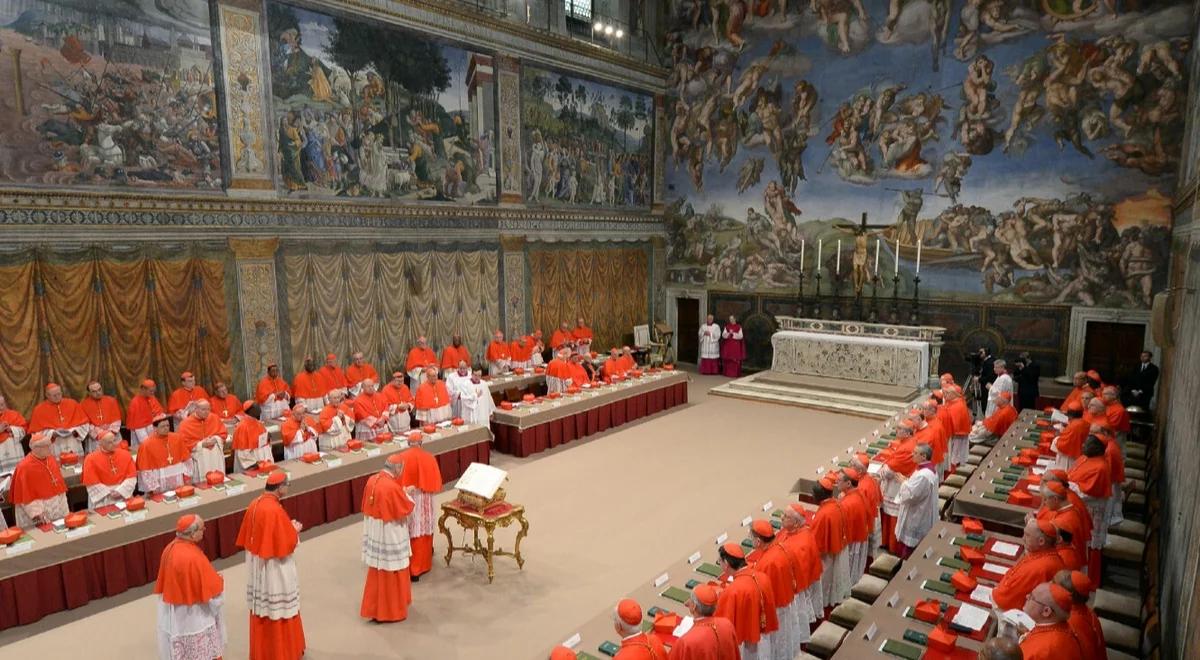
(385, 544)
(38, 491)
(471, 396)
(918, 502)
(191, 598)
(109, 473)
(143, 408)
(273, 394)
(299, 433)
(748, 602)
(103, 413)
(1037, 564)
(163, 459)
(185, 397)
(62, 420)
(205, 437)
(1049, 605)
(251, 443)
(12, 430)
(711, 637)
(270, 538)
(635, 644)
(710, 346)
(432, 399)
(424, 476)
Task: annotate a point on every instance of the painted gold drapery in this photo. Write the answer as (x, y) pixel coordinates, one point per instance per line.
(608, 287)
(342, 299)
(115, 315)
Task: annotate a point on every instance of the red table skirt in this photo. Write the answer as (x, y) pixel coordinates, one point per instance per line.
(27, 598)
(518, 442)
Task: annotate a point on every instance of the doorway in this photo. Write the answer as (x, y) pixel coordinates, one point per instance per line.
(1113, 349)
(687, 320)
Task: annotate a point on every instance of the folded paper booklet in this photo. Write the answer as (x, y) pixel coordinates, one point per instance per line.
(901, 650)
(996, 569)
(1058, 417)
(1005, 549)
(970, 543)
(971, 617)
(709, 569)
(676, 594)
(1019, 619)
(982, 594)
(938, 586)
(957, 564)
(684, 626)
(482, 480)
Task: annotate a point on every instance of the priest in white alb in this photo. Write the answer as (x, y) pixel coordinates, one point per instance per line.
(710, 347)
(918, 502)
(1003, 383)
(471, 399)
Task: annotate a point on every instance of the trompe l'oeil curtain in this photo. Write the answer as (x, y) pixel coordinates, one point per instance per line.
(608, 287)
(344, 300)
(117, 316)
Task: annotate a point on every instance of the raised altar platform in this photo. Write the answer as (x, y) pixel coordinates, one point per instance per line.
(867, 369)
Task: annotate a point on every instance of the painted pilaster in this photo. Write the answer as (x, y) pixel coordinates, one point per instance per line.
(514, 290)
(244, 83)
(258, 305)
(508, 77)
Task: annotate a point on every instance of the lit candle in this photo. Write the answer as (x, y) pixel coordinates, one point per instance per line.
(820, 243)
(918, 257)
(897, 271)
(802, 255)
(837, 269)
(877, 256)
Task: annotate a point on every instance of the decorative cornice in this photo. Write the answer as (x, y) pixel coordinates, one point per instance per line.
(258, 248)
(456, 21)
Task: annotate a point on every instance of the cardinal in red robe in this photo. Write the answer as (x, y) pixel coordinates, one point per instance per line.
(270, 537)
(386, 549)
(421, 471)
(191, 622)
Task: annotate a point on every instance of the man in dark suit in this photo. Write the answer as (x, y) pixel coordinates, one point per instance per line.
(1140, 388)
(1026, 377)
(987, 367)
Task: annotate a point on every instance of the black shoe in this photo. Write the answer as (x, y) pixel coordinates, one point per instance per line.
(416, 578)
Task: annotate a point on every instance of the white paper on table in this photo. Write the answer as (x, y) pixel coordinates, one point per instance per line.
(995, 568)
(684, 626)
(1019, 619)
(1005, 549)
(481, 479)
(1044, 461)
(982, 594)
(1058, 417)
(874, 468)
(971, 617)
(1039, 471)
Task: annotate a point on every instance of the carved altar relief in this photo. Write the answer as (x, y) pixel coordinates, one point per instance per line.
(868, 359)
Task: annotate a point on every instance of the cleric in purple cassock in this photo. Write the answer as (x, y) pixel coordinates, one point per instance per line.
(733, 349)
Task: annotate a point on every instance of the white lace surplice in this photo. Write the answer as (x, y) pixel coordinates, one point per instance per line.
(188, 632)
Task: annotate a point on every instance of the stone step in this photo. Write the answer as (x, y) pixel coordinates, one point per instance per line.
(873, 410)
(840, 395)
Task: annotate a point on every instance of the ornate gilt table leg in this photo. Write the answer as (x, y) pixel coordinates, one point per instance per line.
(449, 541)
(491, 541)
(520, 535)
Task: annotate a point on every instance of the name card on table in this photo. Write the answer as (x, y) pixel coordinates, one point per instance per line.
(660, 580)
(232, 490)
(722, 538)
(928, 553)
(695, 557)
(820, 470)
(19, 548)
(768, 506)
(82, 531)
(871, 632)
(572, 641)
(333, 462)
(189, 502)
(911, 575)
(891, 602)
(374, 452)
(746, 521)
(135, 516)
(941, 533)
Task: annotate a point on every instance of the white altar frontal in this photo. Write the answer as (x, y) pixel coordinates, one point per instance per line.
(868, 369)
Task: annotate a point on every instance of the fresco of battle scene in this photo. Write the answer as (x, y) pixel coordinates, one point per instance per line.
(1030, 147)
(585, 143)
(115, 93)
(367, 110)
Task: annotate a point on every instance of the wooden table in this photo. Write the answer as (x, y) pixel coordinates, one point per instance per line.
(889, 617)
(531, 428)
(471, 519)
(979, 497)
(58, 573)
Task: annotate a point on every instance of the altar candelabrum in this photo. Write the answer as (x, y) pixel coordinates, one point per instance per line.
(801, 303)
(816, 310)
(835, 306)
(873, 316)
(895, 315)
(915, 304)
